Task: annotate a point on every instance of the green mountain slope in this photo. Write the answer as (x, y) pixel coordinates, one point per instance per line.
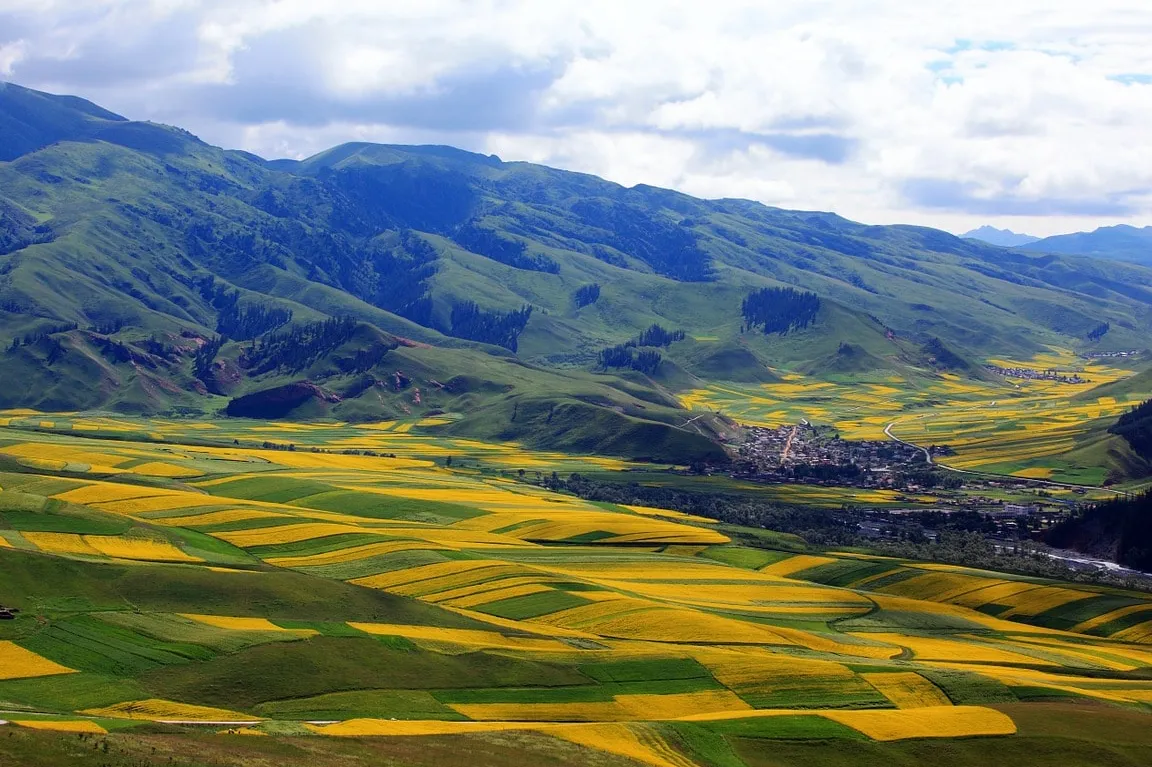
(146, 271)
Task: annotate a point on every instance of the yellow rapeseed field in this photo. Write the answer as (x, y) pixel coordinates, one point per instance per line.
(1108, 617)
(359, 728)
(650, 511)
(793, 565)
(767, 596)
(302, 460)
(1072, 655)
(661, 624)
(244, 624)
(354, 553)
(432, 587)
(451, 569)
(937, 586)
(18, 663)
(484, 586)
(122, 547)
(935, 722)
(621, 708)
(98, 492)
(473, 638)
(661, 570)
(62, 725)
(561, 524)
(859, 645)
(1041, 600)
(957, 650)
(758, 669)
(585, 617)
(907, 689)
(1141, 632)
(999, 593)
(61, 543)
(495, 595)
(216, 517)
(1038, 472)
(56, 451)
(658, 599)
(157, 502)
(591, 711)
(1078, 685)
(160, 469)
(906, 604)
(1135, 656)
(633, 741)
(306, 531)
(165, 710)
(676, 705)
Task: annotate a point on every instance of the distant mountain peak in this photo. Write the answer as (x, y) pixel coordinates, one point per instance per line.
(1005, 238)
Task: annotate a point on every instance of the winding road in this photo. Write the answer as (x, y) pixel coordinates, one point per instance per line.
(928, 457)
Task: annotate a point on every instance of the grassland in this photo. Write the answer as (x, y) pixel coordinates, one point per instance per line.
(388, 606)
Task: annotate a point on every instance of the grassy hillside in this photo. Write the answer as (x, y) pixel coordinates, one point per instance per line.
(145, 271)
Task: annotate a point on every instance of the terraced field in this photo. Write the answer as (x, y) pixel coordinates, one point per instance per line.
(1024, 427)
(387, 604)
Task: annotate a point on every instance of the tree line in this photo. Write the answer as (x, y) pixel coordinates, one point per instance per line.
(779, 310)
(1119, 529)
(1135, 427)
(499, 328)
(586, 295)
(632, 354)
(506, 250)
(298, 347)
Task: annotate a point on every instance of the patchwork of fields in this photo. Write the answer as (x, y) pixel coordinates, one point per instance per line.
(1026, 427)
(165, 575)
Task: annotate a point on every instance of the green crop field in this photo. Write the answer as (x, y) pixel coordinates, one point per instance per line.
(388, 606)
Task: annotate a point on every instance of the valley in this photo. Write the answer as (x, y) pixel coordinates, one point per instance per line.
(336, 588)
(395, 453)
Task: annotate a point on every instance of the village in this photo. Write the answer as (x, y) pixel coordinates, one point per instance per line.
(806, 452)
(1002, 507)
(1037, 375)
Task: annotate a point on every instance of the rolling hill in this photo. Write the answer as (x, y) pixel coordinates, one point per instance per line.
(143, 270)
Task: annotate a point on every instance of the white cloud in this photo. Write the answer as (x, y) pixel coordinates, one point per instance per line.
(1030, 114)
(11, 54)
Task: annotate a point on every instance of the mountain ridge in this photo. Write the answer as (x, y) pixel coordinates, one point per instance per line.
(1121, 242)
(129, 251)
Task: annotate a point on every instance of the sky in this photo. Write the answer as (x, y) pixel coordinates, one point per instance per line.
(1026, 114)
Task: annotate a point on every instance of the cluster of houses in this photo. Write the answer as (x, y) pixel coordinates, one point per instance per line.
(805, 452)
(1110, 355)
(1038, 375)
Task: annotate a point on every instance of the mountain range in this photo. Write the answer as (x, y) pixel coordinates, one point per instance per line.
(144, 270)
(1117, 243)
